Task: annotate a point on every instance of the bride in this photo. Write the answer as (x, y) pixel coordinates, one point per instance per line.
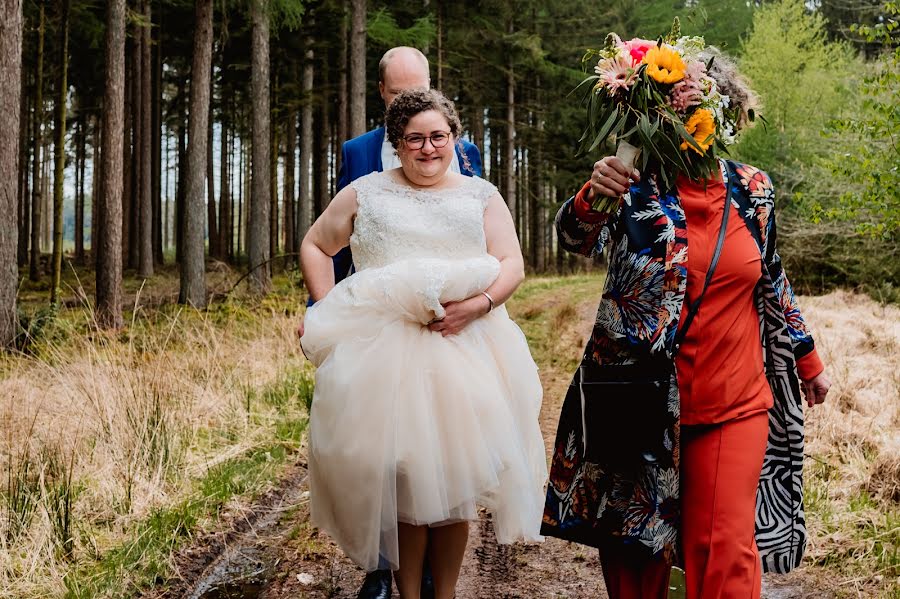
(427, 397)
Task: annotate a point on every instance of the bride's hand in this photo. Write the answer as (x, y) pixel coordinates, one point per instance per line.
(460, 314)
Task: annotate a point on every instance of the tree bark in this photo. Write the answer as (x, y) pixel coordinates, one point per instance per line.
(10, 98)
(343, 121)
(137, 147)
(59, 149)
(34, 266)
(509, 166)
(95, 185)
(242, 193)
(127, 155)
(320, 153)
(224, 193)
(193, 268)
(24, 208)
(181, 182)
(211, 221)
(290, 164)
(258, 229)
(145, 195)
(274, 145)
(109, 209)
(80, 159)
(156, 150)
(357, 67)
(306, 148)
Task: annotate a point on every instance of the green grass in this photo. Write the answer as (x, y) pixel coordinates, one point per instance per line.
(146, 557)
(863, 532)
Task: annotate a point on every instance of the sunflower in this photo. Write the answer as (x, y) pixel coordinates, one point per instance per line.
(703, 128)
(664, 65)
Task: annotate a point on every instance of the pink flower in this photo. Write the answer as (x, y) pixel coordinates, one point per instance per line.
(615, 74)
(636, 48)
(688, 93)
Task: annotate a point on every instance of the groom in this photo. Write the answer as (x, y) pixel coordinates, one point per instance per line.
(400, 69)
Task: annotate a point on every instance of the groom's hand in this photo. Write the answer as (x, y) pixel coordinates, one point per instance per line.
(611, 178)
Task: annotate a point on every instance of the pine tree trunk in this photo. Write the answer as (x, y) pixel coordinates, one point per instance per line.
(290, 149)
(509, 186)
(224, 194)
(478, 129)
(181, 183)
(34, 267)
(439, 9)
(80, 152)
(24, 205)
(10, 98)
(304, 218)
(274, 144)
(357, 67)
(258, 229)
(193, 268)
(212, 227)
(320, 155)
(127, 157)
(156, 127)
(137, 147)
(145, 193)
(165, 208)
(343, 120)
(95, 186)
(243, 167)
(59, 150)
(109, 209)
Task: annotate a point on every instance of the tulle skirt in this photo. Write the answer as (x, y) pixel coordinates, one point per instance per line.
(410, 426)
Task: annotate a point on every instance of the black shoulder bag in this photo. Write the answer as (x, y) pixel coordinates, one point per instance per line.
(624, 408)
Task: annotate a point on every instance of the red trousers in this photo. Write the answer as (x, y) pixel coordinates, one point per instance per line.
(720, 468)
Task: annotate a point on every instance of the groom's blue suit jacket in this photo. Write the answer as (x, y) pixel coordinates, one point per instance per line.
(362, 155)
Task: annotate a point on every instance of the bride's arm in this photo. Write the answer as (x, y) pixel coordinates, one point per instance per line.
(325, 238)
(503, 244)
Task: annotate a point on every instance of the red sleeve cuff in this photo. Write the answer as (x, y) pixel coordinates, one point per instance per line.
(583, 209)
(810, 366)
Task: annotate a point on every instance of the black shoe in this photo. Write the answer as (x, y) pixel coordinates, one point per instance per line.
(427, 591)
(377, 585)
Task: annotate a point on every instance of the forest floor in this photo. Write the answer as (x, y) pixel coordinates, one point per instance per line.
(227, 517)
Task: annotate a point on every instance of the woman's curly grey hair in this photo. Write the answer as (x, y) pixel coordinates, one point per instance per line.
(411, 102)
(731, 83)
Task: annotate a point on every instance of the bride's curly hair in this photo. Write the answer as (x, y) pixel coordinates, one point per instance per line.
(411, 102)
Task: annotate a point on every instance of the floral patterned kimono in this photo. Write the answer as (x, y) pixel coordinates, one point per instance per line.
(638, 316)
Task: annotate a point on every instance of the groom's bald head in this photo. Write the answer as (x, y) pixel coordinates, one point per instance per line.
(402, 68)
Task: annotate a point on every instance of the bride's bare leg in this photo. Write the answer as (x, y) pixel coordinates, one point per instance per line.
(445, 555)
(412, 541)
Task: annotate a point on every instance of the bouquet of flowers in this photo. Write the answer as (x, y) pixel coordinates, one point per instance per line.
(658, 101)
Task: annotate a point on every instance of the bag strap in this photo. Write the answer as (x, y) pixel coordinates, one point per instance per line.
(694, 306)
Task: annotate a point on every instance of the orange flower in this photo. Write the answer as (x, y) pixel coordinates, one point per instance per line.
(664, 65)
(703, 129)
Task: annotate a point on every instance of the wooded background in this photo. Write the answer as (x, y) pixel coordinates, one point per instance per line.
(141, 132)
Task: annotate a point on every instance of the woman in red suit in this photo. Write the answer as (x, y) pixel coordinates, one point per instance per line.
(724, 498)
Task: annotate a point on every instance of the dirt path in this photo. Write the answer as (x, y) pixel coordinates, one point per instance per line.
(271, 551)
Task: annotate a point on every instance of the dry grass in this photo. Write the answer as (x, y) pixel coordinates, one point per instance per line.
(853, 444)
(101, 430)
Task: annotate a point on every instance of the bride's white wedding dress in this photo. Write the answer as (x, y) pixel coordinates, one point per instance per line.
(408, 425)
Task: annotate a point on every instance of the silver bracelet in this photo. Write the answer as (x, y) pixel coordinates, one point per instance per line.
(490, 299)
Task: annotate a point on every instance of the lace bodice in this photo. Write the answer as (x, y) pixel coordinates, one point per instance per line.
(396, 222)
